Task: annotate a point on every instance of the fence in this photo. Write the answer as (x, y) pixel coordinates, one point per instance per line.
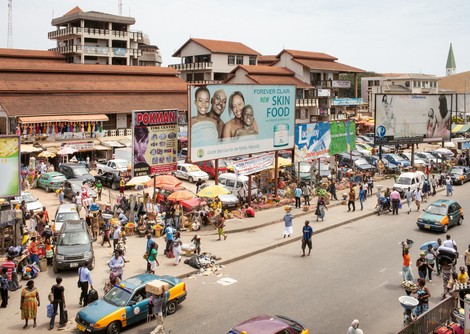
(431, 319)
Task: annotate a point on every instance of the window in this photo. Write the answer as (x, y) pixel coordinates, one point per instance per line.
(252, 60)
(231, 60)
(239, 60)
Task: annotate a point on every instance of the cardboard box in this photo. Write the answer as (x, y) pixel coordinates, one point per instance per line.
(156, 287)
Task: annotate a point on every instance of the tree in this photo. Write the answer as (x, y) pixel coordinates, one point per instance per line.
(349, 92)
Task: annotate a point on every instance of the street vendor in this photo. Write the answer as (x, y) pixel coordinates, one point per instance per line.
(157, 307)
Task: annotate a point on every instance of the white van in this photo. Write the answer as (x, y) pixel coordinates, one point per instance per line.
(234, 182)
(412, 180)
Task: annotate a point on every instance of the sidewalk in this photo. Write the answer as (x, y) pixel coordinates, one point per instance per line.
(251, 236)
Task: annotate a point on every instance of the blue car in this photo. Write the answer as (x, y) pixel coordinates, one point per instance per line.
(396, 160)
(440, 215)
(51, 181)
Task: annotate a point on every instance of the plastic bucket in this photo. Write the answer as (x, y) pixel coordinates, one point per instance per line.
(158, 231)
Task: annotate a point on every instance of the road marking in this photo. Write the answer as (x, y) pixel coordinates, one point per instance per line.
(226, 281)
(383, 283)
(383, 270)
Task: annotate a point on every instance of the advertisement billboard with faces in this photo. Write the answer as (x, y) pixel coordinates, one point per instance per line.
(232, 120)
(412, 118)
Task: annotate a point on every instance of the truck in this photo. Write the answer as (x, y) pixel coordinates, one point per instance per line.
(114, 165)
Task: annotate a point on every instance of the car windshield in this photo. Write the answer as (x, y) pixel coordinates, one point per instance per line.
(193, 168)
(436, 210)
(79, 171)
(404, 180)
(28, 198)
(360, 162)
(456, 171)
(121, 164)
(74, 239)
(118, 296)
(64, 216)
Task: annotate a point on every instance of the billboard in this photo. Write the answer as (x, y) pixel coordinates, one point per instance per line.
(154, 141)
(312, 141)
(343, 137)
(10, 166)
(412, 118)
(232, 120)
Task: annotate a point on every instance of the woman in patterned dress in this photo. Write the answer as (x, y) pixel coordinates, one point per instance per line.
(29, 303)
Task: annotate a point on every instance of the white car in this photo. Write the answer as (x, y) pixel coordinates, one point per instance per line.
(190, 172)
(32, 203)
(417, 161)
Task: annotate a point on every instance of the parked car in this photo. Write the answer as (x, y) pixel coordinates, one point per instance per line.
(72, 186)
(440, 215)
(277, 324)
(119, 165)
(365, 139)
(459, 174)
(389, 167)
(127, 304)
(418, 162)
(74, 247)
(76, 171)
(233, 182)
(65, 212)
(362, 165)
(412, 180)
(190, 172)
(396, 159)
(209, 167)
(32, 203)
(110, 179)
(229, 201)
(427, 157)
(51, 181)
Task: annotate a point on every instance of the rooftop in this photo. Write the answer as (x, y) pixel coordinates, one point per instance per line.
(78, 14)
(216, 46)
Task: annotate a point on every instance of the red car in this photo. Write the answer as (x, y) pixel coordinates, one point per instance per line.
(269, 324)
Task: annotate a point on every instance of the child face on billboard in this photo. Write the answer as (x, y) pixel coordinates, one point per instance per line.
(202, 102)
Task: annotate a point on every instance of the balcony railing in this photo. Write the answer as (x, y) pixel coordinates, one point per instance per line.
(306, 102)
(98, 50)
(79, 31)
(192, 66)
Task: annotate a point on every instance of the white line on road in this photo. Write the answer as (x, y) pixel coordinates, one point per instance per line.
(383, 283)
(383, 270)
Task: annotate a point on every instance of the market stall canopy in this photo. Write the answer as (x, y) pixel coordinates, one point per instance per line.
(65, 118)
(213, 191)
(138, 180)
(25, 148)
(66, 150)
(46, 154)
(112, 143)
(181, 195)
(460, 128)
(164, 180)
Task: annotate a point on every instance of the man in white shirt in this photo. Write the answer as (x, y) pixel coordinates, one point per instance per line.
(418, 198)
(116, 233)
(449, 243)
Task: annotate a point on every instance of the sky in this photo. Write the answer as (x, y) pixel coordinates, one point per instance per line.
(400, 36)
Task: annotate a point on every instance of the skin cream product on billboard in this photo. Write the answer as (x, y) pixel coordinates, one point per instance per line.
(281, 135)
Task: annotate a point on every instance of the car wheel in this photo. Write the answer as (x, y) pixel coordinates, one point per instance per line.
(91, 266)
(114, 186)
(171, 307)
(47, 189)
(55, 268)
(445, 228)
(113, 328)
(190, 179)
(460, 221)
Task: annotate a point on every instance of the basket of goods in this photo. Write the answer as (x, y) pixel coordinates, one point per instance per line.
(408, 302)
(409, 286)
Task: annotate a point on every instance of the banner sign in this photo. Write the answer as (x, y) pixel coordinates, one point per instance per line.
(412, 118)
(154, 141)
(79, 146)
(323, 92)
(346, 101)
(343, 137)
(341, 84)
(10, 166)
(253, 165)
(312, 141)
(351, 135)
(232, 120)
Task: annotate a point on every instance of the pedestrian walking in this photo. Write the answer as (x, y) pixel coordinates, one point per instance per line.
(157, 308)
(99, 189)
(122, 185)
(352, 199)
(177, 211)
(4, 287)
(116, 234)
(426, 190)
(449, 242)
(116, 264)
(84, 279)
(409, 199)
(418, 198)
(152, 257)
(198, 185)
(106, 233)
(306, 194)
(321, 207)
(365, 186)
(332, 190)
(220, 224)
(196, 240)
(406, 270)
(354, 328)
(422, 295)
(288, 217)
(150, 241)
(395, 198)
(446, 269)
(33, 251)
(11, 273)
(297, 194)
(177, 247)
(58, 302)
(467, 258)
(431, 257)
(433, 185)
(61, 195)
(370, 184)
(449, 187)
(29, 303)
(307, 233)
(423, 265)
(362, 196)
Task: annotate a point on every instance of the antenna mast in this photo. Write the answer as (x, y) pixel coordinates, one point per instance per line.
(120, 7)
(10, 24)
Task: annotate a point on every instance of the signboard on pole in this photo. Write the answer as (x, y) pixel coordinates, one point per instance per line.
(10, 166)
(232, 120)
(253, 165)
(412, 118)
(312, 141)
(154, 141)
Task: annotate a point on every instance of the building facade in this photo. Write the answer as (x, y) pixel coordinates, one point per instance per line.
(100, 38)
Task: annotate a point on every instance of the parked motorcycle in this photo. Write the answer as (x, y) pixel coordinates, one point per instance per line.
(384, 205)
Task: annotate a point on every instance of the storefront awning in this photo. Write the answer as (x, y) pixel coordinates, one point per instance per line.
(102, 148)
(26, 148)
(112, 143)
(460, 128)
(126, 142)
(65, 118)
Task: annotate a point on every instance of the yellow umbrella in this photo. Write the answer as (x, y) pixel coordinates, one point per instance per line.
(46, 154)
(213, 191)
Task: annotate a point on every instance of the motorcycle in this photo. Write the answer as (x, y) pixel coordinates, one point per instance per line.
(384, 205)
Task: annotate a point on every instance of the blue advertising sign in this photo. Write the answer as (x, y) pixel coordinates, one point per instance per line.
(347, 101)
(312, 141)
(232, 120)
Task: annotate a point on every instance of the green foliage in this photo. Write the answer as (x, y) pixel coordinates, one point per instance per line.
(349, 92)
